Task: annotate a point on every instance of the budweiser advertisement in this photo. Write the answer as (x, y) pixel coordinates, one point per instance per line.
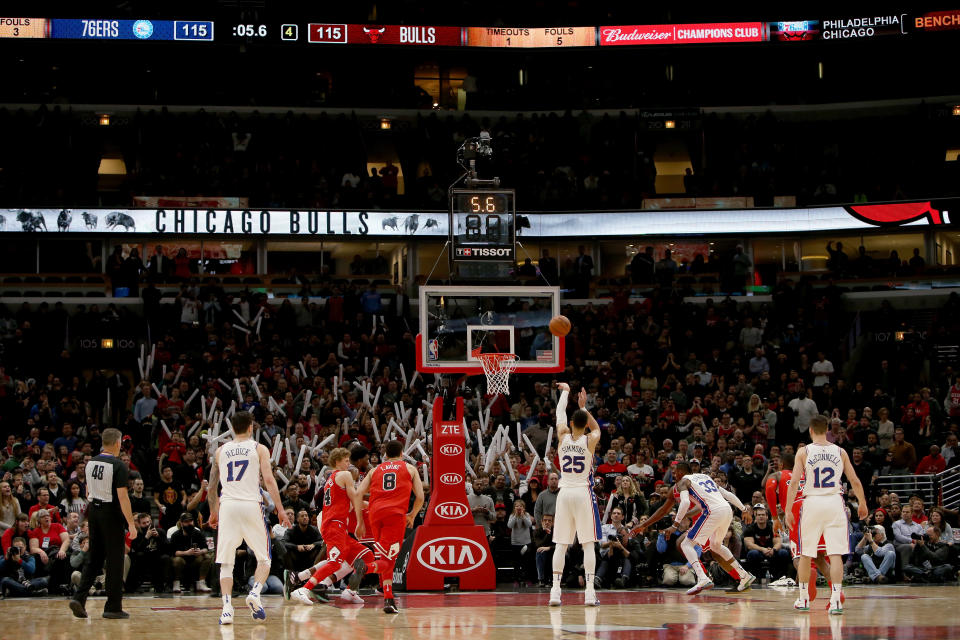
(640, 34)
(385, 34)
(448, 544)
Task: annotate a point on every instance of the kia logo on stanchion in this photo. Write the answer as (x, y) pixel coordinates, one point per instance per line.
(452, 554)
(451, 510)
(451, 478)
(451, 450)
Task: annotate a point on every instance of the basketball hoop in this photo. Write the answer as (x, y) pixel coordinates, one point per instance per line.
(497, 367)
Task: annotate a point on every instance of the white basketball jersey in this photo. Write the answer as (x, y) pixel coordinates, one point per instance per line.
(705, 493)
(823, 470)
(576, 462)
(239, 467)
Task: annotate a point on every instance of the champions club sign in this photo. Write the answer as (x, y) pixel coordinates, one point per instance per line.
(341, 224)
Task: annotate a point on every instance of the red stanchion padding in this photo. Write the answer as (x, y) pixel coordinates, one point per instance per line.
(449, 544)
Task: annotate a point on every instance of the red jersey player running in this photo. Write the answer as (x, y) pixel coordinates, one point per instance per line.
(343, 551)
(776, 488)
(389, 486)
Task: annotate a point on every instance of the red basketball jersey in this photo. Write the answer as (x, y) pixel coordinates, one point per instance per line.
(390, 489)
(336, 503)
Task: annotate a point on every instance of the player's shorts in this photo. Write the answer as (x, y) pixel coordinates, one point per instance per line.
(710, 527)
(341, 546)
(577, 516)
(794, 540)
(388, 531)
(242, 520)
(824, 517)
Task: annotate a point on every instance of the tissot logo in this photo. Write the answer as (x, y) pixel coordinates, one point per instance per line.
(452, 555)
(451, 510)
(451, 478)
(484, 252)
(451, 450)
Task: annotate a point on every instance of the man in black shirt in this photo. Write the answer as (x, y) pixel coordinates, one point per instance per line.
(303, 543)
(746, 480)
(109, 507)
(148, 555)
(169, 496)
(762, 545)
(191, 555)
(186, 474)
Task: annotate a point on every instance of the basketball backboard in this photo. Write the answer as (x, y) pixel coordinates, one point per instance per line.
(456, 320)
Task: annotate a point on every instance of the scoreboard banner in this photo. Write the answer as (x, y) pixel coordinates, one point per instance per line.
(505, 37)
(434, 224)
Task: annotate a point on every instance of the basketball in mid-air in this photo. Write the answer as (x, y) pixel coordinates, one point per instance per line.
(559, 326)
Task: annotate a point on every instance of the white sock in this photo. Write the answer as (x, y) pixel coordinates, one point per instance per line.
(255, 591)
(802, 586)
(589, 563)
(836, 592)
(327, 581)
(690, 553)
(226, 600)
(556, 579)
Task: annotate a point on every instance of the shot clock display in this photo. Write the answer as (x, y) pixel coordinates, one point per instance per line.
(482, 225)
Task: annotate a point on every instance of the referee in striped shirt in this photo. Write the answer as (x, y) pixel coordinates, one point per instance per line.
(109, 509)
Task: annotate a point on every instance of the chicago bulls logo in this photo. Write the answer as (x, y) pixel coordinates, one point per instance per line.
(899, 213)
(374, 33)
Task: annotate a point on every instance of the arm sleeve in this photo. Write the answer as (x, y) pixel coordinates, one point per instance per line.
(562, 409)
(731, 498)
(684, 505)
(770, 492)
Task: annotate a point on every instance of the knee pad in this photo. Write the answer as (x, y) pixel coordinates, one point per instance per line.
(226, 571)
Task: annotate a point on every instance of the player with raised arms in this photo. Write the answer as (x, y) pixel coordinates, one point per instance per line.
(824, 513)
(577, 514)
(699, 492)
(237, 468)
(389, 486)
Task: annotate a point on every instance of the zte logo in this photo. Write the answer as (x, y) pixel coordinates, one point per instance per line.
(451, 510)
(452, 555)
(451, 450)
(451, 478)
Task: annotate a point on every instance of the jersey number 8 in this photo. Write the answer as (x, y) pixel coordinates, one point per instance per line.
(389, 481)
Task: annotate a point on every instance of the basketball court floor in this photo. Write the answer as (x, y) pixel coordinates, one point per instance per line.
(889, 612)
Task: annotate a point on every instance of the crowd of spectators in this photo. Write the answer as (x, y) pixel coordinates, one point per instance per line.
(727, 386)
(559, 162)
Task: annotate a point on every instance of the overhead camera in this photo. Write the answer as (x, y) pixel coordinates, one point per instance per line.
(476, 148)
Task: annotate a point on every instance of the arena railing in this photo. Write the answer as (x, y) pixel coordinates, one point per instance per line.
(927, 486)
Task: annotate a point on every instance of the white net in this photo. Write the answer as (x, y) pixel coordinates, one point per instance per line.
(498, 367)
